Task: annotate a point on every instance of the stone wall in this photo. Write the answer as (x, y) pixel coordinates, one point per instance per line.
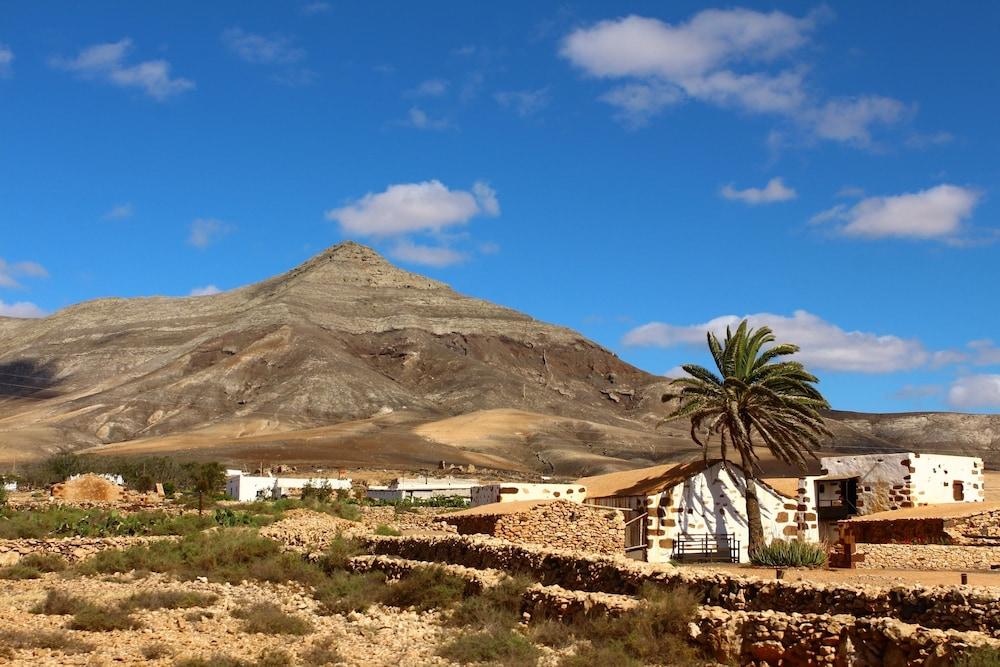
(73, 549)
(560, 524)
(928, 557)
(958, 607)
(983, 527)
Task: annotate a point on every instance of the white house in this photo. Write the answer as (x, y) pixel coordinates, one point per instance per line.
(423, 488)
(692, 510)
(247, 488)
(510, 492)
(857, 485)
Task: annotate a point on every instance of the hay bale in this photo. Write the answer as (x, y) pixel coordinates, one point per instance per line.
(87, 487)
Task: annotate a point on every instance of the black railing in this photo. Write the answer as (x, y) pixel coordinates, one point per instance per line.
(707, 548)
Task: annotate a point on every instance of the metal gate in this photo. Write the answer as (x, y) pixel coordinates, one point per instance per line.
(706, 548)
(635, 534)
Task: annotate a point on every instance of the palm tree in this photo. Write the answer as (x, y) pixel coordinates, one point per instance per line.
(753, 400)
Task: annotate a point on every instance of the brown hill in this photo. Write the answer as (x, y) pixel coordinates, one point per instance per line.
(348, 360)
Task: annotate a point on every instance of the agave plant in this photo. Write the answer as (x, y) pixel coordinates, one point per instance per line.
(754, 399)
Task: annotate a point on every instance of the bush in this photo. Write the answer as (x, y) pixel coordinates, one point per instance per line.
(231, 556)
(19, 571)
(500, 645)
(269, 658)
(93, 618)
(44, 562)
(982, 656)
(270, 619)
(61, 521)
(157, 651)
(792, 553)
(590, 655)
(168, 600)
(344, 592)
(323, 652)
(46, 639)
(498, 606)
(59, 603)
(388, 531)
(426, 588)
(340, 551)
(552, 633)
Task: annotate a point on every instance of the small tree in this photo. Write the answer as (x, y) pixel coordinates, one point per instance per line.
(206, 478)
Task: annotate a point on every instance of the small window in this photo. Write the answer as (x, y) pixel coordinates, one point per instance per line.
(958, 491)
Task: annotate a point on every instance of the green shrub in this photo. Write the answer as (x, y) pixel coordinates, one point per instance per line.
(54, 640)
(388, 531)
(500, 645)
(168, 600)
(426, 588)
(340, 551)
(44, 562)
(59, 603)
(270, 619)
(20, 571)
(792, 553)
(344, 592)
(982, 656)
(60, 521)
(93, 618)
(589, 655)
(269, 658)
(550, 632)
(497, 606)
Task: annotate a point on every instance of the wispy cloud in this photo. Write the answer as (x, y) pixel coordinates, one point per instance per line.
(523, 102)
(206, 231)
(11, 273)
(314, 8)
(774, 191)
(723, 57)
(415, 253)
(20, 309)
(429, 88)
(936, 213)
(6, 60)
(421, 120)
(106, 62)
(207, 290)
(120, 212)
(261, 50)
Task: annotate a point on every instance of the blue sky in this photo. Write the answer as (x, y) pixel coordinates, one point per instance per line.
(639, 173)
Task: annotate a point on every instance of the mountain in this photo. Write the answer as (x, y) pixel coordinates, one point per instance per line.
(348, 360)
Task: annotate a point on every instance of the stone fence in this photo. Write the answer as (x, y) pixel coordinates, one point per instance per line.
(73, 549)
(560, 524)
(958, 607)
(928, 557)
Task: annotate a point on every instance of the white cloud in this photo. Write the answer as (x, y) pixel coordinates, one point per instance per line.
(935, 213)
(206, 231)
(676, 372)
(261, 50)
(427, 255)
(207, 290)
(823, 344)
(774, 191)
(6, 60)
(702, 59)
(975, 391)
(120, 212)
(20, 309)
(523, 102)
(414, 207)
(922, 141)
(418, 118)
(10, 272)
(106, 62)
(313, 8)
(917, 392)
(850, 192)
(430, 88)
(850, 120)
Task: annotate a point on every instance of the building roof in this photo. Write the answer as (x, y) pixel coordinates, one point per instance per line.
(642, 481)
(937, 511)
(497, 509)
(785, 486)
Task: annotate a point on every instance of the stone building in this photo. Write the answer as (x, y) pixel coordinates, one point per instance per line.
(692, 510)
(858, 485)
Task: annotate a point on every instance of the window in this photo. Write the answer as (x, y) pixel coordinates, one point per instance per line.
(958, 491)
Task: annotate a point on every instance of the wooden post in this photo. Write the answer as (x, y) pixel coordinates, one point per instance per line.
(965, 579)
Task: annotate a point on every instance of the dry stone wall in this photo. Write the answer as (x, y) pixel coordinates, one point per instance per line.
(960, 608)
(73, 549)
(928, 557)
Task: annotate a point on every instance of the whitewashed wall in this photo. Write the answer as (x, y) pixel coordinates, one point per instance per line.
(934, 477)
(501, 493)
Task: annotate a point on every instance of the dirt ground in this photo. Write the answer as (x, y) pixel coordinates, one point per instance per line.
(872, 577)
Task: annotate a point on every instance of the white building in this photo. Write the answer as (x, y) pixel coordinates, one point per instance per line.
(9, 486)
(247, 488)
(692, 510)
(504, 493)
(423, 488)
(858, 485)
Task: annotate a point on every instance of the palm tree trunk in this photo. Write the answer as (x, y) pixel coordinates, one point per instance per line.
(754, 522)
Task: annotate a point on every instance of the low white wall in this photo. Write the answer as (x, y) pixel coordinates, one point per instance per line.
(501, 493)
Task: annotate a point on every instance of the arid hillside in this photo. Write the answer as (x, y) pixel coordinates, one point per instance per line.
(348, 360)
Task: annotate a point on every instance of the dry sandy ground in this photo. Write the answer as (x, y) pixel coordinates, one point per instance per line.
(875, 577)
